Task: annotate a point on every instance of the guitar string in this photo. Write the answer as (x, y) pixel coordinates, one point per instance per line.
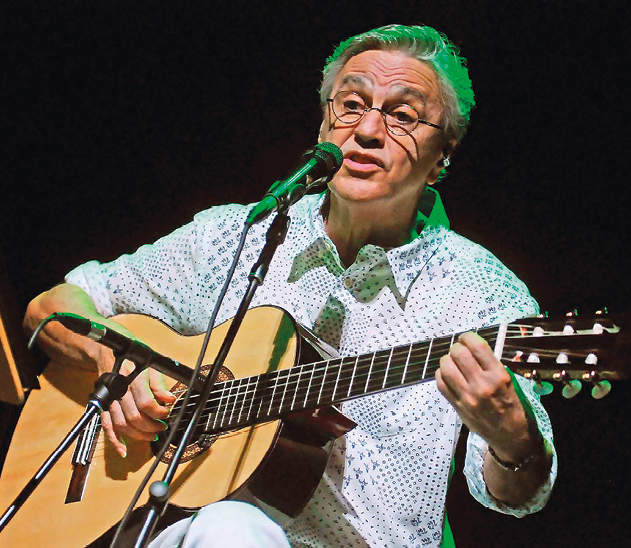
(232, 390)
(293, 376)
(237, 396)
(238, 391)
(298, 371)
(225, 396)
(514, 329)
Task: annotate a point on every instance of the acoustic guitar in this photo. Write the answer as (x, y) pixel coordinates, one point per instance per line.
(268, 423)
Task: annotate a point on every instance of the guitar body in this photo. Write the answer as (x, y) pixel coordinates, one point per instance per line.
(268, 464)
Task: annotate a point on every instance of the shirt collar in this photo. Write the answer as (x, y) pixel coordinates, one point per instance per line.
(404, 263)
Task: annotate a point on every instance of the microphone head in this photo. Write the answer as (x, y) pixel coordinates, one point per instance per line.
(329, 158)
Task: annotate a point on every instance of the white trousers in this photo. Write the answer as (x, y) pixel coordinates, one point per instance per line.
(229, 524)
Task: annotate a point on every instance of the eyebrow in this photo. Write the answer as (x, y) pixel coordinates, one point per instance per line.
(404, 91)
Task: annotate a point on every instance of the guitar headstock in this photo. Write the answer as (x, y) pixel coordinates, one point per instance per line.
(571, 350)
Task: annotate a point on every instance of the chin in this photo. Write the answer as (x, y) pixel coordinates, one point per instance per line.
(358, 190)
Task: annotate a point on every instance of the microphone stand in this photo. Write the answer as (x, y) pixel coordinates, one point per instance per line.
(159, 490)
(108, 388)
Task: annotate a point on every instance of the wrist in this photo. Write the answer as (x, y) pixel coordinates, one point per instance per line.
(527, 460)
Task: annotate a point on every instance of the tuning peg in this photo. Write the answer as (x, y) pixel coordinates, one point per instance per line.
(572, 313)
(543, 388)
(571, 386)
(602, 312)
(601, 387)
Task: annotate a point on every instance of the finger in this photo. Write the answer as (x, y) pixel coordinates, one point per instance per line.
(480, 350)
(145, 402)
(444, 388)
(160, 388)
(450, 379)
(465, 362)
(129, 421)
(116, 441)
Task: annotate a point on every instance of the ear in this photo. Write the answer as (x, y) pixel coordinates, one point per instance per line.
(442, 162)
(321, 132)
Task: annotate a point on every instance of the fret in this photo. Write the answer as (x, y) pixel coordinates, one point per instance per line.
(376, 374)
(498, 351)
(243, 400)
(429, 352)
(230, 404)
(418, 364)
(286, 373)
(308, 391)
(326, 369)
(345, 377)
(395, 373)
(337, 379)
(314, 394)
(303, 386)
(264, 393)
(271, 400)
(218, 411)
(385, 375)
(372, 362)
(233, 400)
(253, 398)
(350, 384)
(293, 400)
(407, 364)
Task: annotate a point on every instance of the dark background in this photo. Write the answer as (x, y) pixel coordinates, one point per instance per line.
(123, 119)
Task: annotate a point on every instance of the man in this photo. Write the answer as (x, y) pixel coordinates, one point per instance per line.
(368, 265)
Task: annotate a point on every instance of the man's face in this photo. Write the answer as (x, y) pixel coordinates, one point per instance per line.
(380, 166)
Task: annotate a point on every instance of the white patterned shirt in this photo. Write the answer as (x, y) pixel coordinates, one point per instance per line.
(386, 482)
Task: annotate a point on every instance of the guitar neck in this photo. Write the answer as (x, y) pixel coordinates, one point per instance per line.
(241, 402)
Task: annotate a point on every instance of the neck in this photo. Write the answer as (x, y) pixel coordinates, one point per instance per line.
(351, 228)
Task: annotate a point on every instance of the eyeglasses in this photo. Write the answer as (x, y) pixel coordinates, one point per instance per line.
(349, 107)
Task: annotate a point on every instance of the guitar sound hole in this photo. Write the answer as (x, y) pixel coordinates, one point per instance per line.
(195, 448)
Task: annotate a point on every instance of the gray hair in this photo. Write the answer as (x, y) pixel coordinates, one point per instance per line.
(425, 44)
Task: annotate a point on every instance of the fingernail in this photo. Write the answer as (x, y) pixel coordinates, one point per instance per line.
(124, 453)
(156, 438)
(166, 426)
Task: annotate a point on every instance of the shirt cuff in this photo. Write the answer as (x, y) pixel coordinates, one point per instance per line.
(477, 449)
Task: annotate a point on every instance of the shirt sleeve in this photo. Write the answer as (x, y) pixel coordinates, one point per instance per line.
(477, 449)
(170, 279)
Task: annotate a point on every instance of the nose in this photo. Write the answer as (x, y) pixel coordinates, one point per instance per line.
(371, 129)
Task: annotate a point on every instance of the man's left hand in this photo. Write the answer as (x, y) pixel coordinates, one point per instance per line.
(479, 387)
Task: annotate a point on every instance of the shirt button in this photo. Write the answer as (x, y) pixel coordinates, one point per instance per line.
(348, 283)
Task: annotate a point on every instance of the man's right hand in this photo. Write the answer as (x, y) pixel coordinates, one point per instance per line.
(141, 412)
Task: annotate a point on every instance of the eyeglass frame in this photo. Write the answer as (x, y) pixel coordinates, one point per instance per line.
(382, 112)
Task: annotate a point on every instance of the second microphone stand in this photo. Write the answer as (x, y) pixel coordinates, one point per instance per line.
(159, 491)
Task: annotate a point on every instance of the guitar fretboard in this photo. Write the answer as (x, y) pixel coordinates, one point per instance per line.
(250, 400)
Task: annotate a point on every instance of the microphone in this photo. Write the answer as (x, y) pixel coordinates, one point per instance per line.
(323, 161)
(129, 348)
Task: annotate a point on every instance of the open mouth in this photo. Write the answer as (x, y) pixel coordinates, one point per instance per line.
(363, 162)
